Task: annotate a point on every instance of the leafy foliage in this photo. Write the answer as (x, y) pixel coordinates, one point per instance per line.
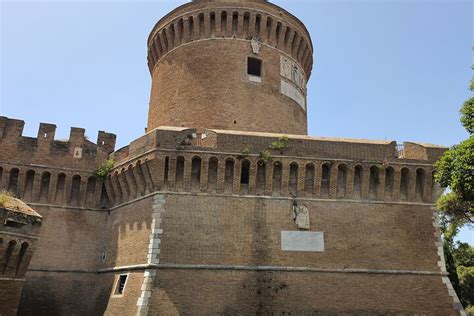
(459, 259)
(467, 115)
(456, 171)
(280, 144)
(102, 172)
(265, 156)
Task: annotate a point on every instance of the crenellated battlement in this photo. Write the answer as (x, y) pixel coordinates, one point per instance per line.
(220, 162)
(246, 163)
(76, 152)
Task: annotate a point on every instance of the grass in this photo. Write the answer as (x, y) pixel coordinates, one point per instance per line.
(4, 197)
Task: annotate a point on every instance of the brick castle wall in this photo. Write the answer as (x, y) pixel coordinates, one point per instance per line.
(225, 206)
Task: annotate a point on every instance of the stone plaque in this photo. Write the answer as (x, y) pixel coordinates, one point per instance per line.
(290, 91)
(291, 71)
(302, 241)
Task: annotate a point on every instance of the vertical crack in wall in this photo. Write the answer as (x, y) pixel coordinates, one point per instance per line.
(442, 265)
(153, 256)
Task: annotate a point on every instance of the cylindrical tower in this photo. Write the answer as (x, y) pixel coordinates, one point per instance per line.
(230, 64)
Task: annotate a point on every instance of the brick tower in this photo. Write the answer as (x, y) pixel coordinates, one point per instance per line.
(234, 65)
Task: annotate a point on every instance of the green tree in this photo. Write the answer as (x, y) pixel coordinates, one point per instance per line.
(455, 170)
(466, 283)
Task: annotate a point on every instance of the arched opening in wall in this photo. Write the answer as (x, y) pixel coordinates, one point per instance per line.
(132, 181)
(13, 181)
(179, 173)
(246, 25)
(341, 181)
(404, 183)
(44, 186)
(357, 182)
(111, 194)
(171, 34)
(293, 181)
(235, 23)
(258, 22)
(119, 192)
(212, 174)
(420, 184)
(299, 51)
(60, 186)
(277, 177)
(389, 180)
(278, 35)
(201, 25)
(229, 176)
(374, 182)
(21, 255)
(212, 18)
(166, 173)
(191, 28)
(8, 255)
(179, 31)
(325, 180)
(196, 174)
(29, 181)
(261, 177)
(124, 182)
(164, 36)
(294, 43)
(269, 28)
(75, 190)
(224, 23)
(244, 176)
(141, 178)
(104, 198)
(90, 191)
(309, 180)
(158, 45)
(286, 37)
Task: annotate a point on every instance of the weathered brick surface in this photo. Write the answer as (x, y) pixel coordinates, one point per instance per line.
(212, 89)
(264, 293)
(233, 231)
(60, 293)
(10, 291)
(128, 234)
(200, 192)
(195, 92)
(126, 304)
(70, 239)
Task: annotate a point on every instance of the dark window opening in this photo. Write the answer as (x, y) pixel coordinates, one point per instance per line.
(254, 67)
(245, 172)
(13, 224)
(121, 284)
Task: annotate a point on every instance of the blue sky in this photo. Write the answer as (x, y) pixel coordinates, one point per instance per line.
(395, 70)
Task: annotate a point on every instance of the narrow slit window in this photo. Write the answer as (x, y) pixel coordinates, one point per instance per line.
(122, 280)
